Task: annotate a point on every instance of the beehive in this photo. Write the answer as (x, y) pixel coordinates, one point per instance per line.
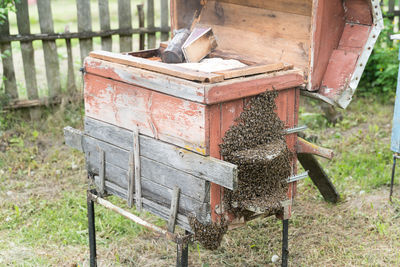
(180, 117)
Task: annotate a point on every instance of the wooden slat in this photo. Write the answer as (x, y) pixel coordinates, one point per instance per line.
(152, 80)
(251, 70)
(88, 34)
(125, 22)
(118, 169)
(150, 190)
(73, 138)
(27, 52)
(164, 19)
(151, 37)
(84, 24)
(207, 168)
(138, 174)
(142, 37)
(71, 84)
(158, 67)
(161, 116)
(104, 15)
(8, 64)
(173, 210)
(49, 48)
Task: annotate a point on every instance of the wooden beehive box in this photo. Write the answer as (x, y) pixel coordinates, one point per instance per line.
(172, 120)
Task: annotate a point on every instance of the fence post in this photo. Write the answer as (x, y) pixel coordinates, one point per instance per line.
(28, 56)
(164, 20)
(9, 81)
(106, 42)
(84, 24)
(141, 25)
(125, 22)
(49, 48)
(151, 37)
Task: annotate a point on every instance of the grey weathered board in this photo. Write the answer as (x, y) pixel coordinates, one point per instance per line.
(49, 48)
(27, 52)
(159, 174)
(125, 22)
(104, 13)
(84, 24)
(151, 37)
(7, 60)
(217, 171)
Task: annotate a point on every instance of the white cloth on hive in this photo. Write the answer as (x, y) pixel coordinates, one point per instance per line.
(213, 65)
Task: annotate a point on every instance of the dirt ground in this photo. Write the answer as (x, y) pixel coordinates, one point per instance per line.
(43, 206)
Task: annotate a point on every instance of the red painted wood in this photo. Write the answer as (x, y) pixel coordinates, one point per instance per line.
(358, 11)
(242, 89)
(338, 74)
(174, 120)
(329, 24)
(354, 37)
(214, 112)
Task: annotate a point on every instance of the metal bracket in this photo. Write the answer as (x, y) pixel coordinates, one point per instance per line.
(297, 177)
(296, 129)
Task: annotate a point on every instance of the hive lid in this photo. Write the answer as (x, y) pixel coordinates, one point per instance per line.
(329, 40)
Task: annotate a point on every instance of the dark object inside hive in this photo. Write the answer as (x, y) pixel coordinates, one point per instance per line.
(256, 144)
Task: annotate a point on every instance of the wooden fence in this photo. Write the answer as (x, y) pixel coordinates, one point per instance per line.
(84, 34)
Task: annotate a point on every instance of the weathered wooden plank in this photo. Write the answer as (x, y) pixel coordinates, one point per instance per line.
(151, 37)
(319, 177)
(27, 52)
(164, 19)
(251, 70)
(102, 170)
(142, 36)
(71, 83)
(7, 62)
(190, 185)
(158, 82)
(138, 173)
(207, 168)
(131, 178)
(173, 210)
(162, 212)
(125, 22)
(233, 89)
(160, 67)
(150, 190)
(49, 48)
(104, 15)
(84, 24)
(71, 35)
(73, 138)
(164, 117)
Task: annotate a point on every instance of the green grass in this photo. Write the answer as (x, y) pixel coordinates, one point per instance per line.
(43, 202)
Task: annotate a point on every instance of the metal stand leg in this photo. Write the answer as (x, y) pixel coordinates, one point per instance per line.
(92, 232)
(392, 181)
(285, 243)
(182, 253)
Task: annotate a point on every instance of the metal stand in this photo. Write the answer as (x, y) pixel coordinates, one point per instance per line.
(392, 180)
(181, 241)
(92, 231)
(182, 253)
(285, 242)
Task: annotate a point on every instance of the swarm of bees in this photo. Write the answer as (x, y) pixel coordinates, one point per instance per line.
(256, 144)
(209, 235)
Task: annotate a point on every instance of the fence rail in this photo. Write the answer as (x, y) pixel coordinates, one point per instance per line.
(85, 34)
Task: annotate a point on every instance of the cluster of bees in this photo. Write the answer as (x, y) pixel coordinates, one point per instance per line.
(256, 144)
